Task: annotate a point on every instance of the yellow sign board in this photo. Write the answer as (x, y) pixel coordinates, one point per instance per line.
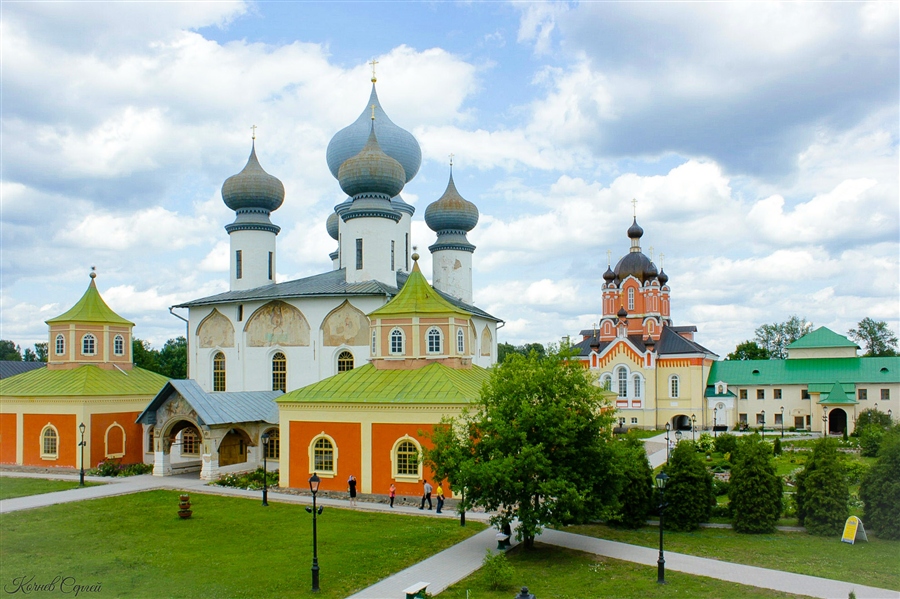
(853, 530)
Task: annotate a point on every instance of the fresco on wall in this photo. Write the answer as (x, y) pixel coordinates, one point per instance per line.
(216, 331)
(345, 326)
(486, 341)
(277, 323)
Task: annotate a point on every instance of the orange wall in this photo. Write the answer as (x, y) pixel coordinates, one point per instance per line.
(384, 436)
(67, 443)
(348, 440)
(7, 438)
(134, 449)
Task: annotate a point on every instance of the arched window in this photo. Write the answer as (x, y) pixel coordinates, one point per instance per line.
(190, 442)
(637, 385)
(434, 340)
(323, 455)
(219, 372)
(279, 372)
(631, 298)
(606, 382)
(60, 345)
(622, 376)
(88, 345)
(374, 346)
(273, 449)
(115, 441)
(119, 345)
(345, 361)
(673, 386)
(407, 459)
(396, 341)
(49, 442)
(460, 342)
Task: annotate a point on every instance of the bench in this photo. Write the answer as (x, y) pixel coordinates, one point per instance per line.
(416, 591)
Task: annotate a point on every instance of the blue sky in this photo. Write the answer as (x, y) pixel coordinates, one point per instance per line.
(760, 140)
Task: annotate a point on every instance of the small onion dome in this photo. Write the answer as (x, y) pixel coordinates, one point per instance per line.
(332, 225)
(635, 231)
(609, 276)
(371, 171)
(253, 188)
(397, 143)
(622, 313)
(651, 272)
(663, 277)
(451, 211)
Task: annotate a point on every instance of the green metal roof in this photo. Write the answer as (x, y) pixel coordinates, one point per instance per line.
(91, 308)
(827, 387)
(87, 380)
(806, 371)
(432, 384)
(416, 298)
(837, 394)
(821, 337)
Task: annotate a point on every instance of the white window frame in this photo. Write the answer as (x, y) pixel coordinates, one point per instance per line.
(334, 457)
(60, 344)
(637, 386)
(432, 334)
(394, 461)
(631, 298)
(46, 455)
(397, 334)
(622, 381)
(106, 441)
(85, 339)
(460, 342)
(674, 387)
(119, 345)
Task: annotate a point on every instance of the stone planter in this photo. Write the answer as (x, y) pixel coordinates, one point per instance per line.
(184, 507)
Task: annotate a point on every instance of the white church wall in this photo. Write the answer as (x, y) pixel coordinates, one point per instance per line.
(255, 248)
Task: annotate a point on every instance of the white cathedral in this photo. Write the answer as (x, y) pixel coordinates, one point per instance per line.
(264, 335)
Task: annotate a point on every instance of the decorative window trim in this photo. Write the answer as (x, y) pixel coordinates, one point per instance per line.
(273, 451)
(196, 433)
(631, 298)
(460, 342)
(49, 455)
(119, 345)
(88, 345)
(312, 456)
(674, 387)
(622, 381)
(106, 441)
(224, 371)
(637, 385)
(394, 461)
(342, 355)
(439, 339)
(281, 374)
(374, 342)
(399, 335)
(60, 345)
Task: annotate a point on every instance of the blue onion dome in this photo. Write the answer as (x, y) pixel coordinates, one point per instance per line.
(371, 171)
(253, 188)
(635, 231)
(400, 205)
(332, 225)
(609, 276)
(451, 211)
(663, 277)
(397, 143)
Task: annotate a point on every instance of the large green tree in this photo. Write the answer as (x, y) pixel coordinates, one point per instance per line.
(173, 358)
(143, 355)
(875, 336)
(775, 337)
(755, 490)
(636, 494)
(748, 350)
(880, 489)
(689, 492)
(9, 351)
(823, 495)
(535, 447)
(506, 349)
(40, 350)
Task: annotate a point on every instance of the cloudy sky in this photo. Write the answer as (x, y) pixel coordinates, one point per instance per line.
(759, 139)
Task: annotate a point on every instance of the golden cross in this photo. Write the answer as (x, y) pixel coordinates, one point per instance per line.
(634, 204)
(651, 253)
(373, 63)
(608, 257)
(253, 128)
(373, 112)
(661, 256)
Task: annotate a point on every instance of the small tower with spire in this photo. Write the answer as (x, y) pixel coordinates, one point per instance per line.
(253, 194)
(452, 217)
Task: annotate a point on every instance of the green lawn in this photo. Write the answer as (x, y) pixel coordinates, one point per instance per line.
(136, 546)
(557, 573)
(872, 563)
(12, 486)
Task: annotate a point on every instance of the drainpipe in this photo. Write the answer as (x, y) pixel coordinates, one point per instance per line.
(187, 338)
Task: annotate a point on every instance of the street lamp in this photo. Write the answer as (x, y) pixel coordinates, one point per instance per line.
(678, 436)
(81, 428)
(265, 448)
(693, 428)
(825, 421)
(314, 488)
(763, 427)
(891, 415)
(782, 422)
(661, 479)
(715, 421)
(668, 426)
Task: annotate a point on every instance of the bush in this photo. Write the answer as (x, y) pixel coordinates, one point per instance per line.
(880, 489)
(725, 443)
(855, 471)
(252, 481)
(720, 487)
(114, 468)
(705, 443)
(636, 492)
(823, 496)
(497, 571)
(776, 447)
(755, 490)
(872, 416)
(870, 439)
(689, 492)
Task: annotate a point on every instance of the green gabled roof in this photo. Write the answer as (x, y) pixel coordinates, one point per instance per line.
(821, 337)
(417, 297)
(432, 384)
(87, 380)
(827, 387)
(806, 371)
(91, 308)
(837, 394)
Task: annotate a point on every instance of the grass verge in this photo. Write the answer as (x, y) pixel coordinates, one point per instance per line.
(136, 546)
(13, 486)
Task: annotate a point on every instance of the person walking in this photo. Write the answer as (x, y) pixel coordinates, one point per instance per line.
(392, 493)
(351, 482)
(426, 496)
(440, 498)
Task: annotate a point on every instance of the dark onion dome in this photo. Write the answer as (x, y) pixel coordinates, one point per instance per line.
(609, 276)
(397, 143)
(663, 277)
(451, 212)
(371, 171)
(635, 231)
(253, 188)
(622, 313)
(651, 272)
(634, 264)
(332, 225)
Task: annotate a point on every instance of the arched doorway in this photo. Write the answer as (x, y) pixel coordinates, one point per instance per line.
(837, 421)
(233, 448)
(681, 423)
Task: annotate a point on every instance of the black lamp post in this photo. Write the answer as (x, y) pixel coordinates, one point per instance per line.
(715, 421)
(462, 508)
(314, 488)
(668, 426)
(81, 429)
(693, 427)
(661, 479)
(825, 421)
(265, 449)
(782, 422)
(763, 427)
(678, 436)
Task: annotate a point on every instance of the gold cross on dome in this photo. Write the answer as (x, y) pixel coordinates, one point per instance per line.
(661, 256)
(253, 128)
(373, 62)
(608, 257)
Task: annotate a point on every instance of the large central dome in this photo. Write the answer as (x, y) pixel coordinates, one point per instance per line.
(397, 143)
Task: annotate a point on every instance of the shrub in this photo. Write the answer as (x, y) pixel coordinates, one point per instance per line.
(880, 489)
(855, 471)
(823, 495)
(114, 468)
(755, 490)
(136, 469)
(725, 443)
(870, 439)
(776, 447)
(252, 481)
(720, 487)
(872, 416)
(636, 493)
(689, 492)
(497, 571)
(705, 443)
